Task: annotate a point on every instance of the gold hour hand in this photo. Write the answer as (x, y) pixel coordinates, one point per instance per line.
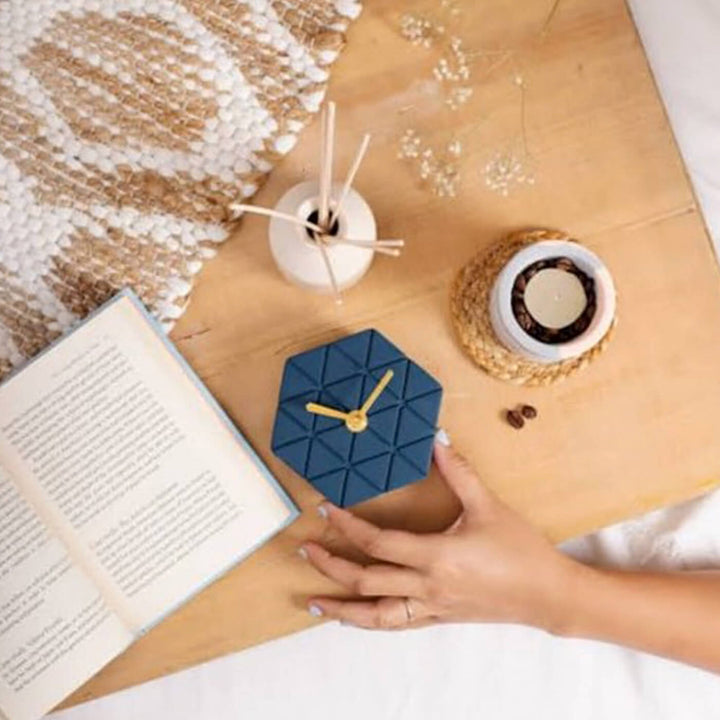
(326, 411)
(375, 394)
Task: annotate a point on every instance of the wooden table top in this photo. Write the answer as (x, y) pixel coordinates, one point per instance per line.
(634, 431)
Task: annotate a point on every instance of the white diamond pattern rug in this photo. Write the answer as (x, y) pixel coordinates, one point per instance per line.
(127, 127)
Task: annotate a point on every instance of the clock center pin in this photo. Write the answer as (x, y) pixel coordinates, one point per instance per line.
(356, 421)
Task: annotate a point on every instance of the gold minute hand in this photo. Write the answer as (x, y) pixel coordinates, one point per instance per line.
(326, 411)
(375, 394)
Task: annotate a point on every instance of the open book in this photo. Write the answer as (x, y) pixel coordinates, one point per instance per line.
(124, 490)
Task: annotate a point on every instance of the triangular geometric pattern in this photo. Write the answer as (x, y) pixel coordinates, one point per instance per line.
(396, 447)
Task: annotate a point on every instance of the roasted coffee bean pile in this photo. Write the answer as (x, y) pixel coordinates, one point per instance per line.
(553, 336)
(517, 417)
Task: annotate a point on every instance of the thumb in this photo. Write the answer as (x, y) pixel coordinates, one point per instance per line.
(460, 476)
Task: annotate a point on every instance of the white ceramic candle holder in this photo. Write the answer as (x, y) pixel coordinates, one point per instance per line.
(508, 329)
(296, 252)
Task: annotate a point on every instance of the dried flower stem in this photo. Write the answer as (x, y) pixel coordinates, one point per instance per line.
(550, 17)
(523, 116)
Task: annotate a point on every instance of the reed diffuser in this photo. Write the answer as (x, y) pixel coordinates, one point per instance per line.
(322, 234)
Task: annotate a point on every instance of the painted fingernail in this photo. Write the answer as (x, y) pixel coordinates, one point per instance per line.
(302, 552)
(315, 610)
(322, 511)
(442, 438)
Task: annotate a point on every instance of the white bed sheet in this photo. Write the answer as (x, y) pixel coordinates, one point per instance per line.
(497, 672)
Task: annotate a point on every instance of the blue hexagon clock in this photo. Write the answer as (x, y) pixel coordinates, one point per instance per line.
(356, 418)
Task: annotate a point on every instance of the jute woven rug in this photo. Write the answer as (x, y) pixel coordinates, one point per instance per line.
(126, 129)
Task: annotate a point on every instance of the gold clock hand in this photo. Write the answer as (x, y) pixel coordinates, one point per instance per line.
(375, 394)
(326, 411)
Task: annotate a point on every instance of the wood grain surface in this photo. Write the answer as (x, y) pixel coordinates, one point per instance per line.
(635, 431)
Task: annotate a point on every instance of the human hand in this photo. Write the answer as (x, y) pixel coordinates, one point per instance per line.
(490, 565)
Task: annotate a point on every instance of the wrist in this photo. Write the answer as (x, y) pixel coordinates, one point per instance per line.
(583, 591)
(570, 587)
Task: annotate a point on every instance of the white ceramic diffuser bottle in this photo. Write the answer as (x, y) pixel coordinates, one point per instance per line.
(553, 300)
(322, 235)
(296, 249)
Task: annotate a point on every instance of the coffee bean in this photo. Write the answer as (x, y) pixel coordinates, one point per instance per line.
(528, 411)
(515, 419)
(524, 320)
(565, 264)
(545, 335)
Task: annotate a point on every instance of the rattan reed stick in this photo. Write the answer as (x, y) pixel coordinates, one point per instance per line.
(375, 247)
(331, 273)
(327, 143)
(350, 177)
(269, 212)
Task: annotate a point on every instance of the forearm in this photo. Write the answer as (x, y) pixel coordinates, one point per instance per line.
(676, 615)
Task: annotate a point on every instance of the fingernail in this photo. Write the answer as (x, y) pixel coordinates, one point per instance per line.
(302, 552)
(347, 623)
(322, 511)
(315, 610)
(442, 438)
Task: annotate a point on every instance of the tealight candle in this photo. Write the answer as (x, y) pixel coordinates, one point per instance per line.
(555, 298)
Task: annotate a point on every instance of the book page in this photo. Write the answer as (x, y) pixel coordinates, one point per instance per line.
(148, 485)
(55, 629)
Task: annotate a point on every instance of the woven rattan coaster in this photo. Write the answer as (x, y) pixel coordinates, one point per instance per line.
(470, 309)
